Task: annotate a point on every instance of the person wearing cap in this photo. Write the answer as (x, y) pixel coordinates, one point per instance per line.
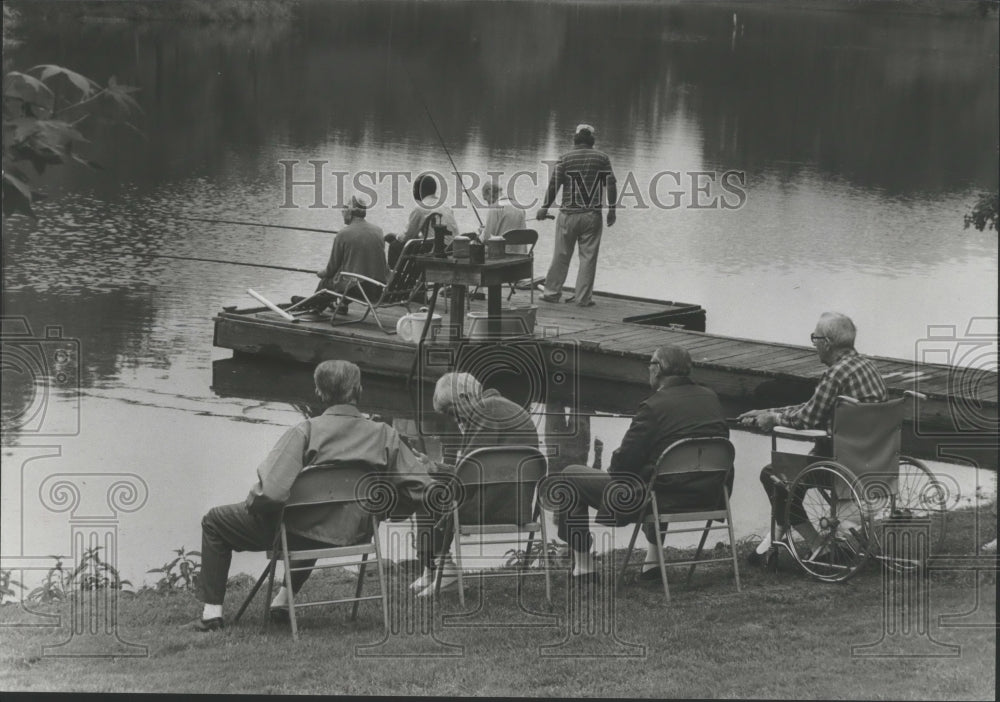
(677, 409)
(586, 177)
(358, 248)
(502, 216)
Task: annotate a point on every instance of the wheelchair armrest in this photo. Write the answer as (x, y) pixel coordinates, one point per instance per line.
(915, 394)
(800, 434)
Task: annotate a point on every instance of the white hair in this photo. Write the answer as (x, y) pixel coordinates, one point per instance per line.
(452, 388)
(838, 329)
(337, 382)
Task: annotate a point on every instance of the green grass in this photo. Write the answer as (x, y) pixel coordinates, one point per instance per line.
(783, 636)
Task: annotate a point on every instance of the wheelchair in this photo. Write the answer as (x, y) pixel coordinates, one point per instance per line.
(851, 507)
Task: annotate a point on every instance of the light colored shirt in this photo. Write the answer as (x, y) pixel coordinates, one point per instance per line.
(852, 375)
(341, 433)
(425, 209)
(502, 217)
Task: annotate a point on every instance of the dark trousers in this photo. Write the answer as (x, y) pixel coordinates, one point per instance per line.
(233, 528)
(373, 292)
(433, 538)
(779, 495)
(588, 487)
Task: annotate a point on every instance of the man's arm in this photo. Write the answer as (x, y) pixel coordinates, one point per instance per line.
(277, 472)
(633, 454)
(612, 185)
(814, 413)
(550, 193)
(413, 223)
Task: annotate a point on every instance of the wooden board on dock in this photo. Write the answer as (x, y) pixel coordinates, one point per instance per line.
(604, 347)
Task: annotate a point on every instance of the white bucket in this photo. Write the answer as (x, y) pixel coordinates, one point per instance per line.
(514, 322)
(411, 325)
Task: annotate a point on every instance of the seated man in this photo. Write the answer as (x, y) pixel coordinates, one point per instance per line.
(485, 419)
(502, 216)
(428, 203)
(340, 433)
(358, 248)
(678, 409)
(849, 374)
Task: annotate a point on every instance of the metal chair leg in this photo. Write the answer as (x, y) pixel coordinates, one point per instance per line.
(253, 593)
(360, 585)
(697, 554)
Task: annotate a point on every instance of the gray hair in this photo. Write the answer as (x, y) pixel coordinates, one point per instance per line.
(338, 382)
(673, 360)
(357, 206)
(452, 388)
(838, 329)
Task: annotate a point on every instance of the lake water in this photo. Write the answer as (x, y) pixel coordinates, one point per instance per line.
(863, 138)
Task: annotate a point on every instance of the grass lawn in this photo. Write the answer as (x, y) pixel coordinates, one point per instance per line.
(783, 636)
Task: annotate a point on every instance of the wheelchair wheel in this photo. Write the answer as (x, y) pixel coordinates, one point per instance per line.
(918, 499)
(830, 537)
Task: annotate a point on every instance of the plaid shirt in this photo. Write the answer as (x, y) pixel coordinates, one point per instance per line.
(852, 375)
(583, 174)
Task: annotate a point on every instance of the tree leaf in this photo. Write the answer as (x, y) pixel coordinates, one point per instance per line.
(85, 85)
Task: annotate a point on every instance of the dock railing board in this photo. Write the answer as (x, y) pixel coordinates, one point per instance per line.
(960, 401)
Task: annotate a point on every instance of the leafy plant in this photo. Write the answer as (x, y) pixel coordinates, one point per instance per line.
(43, 109)
(91, 573)
(517, 557)
(984, 212)
(7, 584)
(181, 573)
(53, 588)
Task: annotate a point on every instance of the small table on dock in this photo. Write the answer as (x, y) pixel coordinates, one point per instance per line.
(462, 273)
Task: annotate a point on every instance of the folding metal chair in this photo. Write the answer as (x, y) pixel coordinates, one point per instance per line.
(521, 237)
(711, 459)
(487, 477)
(317, 492)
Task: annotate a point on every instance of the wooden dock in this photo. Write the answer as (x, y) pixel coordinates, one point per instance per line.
(609, 343)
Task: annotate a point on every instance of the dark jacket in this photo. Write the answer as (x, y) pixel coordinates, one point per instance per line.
(678, 410)
(496, 421)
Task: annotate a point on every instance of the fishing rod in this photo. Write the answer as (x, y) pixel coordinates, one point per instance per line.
(444, 146)
(254, 224)
(219, 260)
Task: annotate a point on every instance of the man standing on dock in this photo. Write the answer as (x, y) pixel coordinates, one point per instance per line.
(584, 174)
(849, 373)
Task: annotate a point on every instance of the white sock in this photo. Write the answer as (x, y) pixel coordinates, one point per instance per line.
(584, 563)
(281, 599)
(652, 560)
(211, 612)
(764, 545)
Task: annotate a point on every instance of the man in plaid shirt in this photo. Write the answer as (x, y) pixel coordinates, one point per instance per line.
(849, 374)
(584, 174)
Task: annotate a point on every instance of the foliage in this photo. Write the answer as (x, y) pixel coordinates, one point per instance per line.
(984, 212)
(91, 573)
(43, 109)
(7, 584)
(182, 573)
(516, 557)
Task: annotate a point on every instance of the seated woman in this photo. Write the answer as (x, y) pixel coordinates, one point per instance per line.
(428, 203)
(486, 419)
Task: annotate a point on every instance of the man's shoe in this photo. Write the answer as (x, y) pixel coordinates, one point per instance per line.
(206, 625)
(550, 298)
(756, 559)
(448, 582)
(296, 299)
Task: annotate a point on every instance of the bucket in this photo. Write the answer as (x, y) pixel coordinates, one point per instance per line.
(410, 326)
(515, 322)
